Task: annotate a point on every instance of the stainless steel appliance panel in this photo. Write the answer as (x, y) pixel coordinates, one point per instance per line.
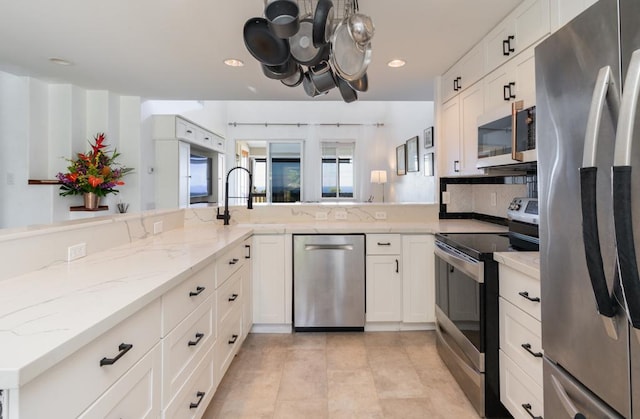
(566, 397)
(573, 333)
(329, 281)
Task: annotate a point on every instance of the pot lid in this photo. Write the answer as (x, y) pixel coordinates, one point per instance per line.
(348, 59)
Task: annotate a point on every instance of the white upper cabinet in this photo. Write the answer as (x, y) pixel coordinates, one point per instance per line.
(174, 127)
(469, 69)
(512, 81)
(527, 24)
(562, 11)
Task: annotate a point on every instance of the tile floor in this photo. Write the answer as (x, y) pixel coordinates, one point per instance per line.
(339, 375)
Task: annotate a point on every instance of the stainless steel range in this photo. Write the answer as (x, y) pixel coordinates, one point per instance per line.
(467, 303)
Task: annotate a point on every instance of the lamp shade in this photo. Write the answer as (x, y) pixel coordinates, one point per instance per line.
(378, 176)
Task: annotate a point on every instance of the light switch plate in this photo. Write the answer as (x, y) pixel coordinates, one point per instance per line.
(446, 197)
(340, 215)
(321, 216)
(76, 251)
(381, 215)
(494, 199)
(157, 227)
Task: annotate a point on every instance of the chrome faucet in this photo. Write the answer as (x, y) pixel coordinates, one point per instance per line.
(226, 216)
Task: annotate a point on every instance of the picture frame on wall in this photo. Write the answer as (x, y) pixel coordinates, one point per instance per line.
(413, 164)
(428, 137)
(428, 164)
(401, 160)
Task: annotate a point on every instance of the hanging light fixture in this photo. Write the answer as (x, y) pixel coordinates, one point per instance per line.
(321, 44)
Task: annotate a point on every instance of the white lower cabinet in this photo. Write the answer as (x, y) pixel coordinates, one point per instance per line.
(269, 271)
(135, 395)
(384, 280)
(521, 355)
(418, 283)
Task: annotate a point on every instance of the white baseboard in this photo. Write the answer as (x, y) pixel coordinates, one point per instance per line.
(271, 328)
(397, 327)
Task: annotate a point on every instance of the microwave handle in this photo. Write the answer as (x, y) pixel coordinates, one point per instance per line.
(515, 107)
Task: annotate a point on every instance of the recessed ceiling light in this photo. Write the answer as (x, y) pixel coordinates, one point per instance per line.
(60, 61)
(233, 62)
(396, 63)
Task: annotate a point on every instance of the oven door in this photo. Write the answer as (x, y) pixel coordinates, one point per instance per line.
(459, 303)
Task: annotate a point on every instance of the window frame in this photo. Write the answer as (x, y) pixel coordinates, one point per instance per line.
(337, 161)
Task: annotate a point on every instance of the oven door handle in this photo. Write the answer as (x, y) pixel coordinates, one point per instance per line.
(473, 269)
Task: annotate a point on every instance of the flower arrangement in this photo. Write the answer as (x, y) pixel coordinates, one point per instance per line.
(95, 172)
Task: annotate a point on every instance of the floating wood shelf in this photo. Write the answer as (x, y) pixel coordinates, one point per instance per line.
(44, 182)
(82, 208)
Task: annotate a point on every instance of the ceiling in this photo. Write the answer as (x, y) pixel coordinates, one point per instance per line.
(174, 49)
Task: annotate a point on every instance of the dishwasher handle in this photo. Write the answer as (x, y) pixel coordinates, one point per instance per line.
(310, 247)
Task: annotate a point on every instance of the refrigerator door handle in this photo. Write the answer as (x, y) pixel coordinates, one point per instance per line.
(604, 88)
(622, 211)
(565, 400)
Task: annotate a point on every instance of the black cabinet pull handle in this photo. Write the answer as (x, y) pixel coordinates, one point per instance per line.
(459, 83)
(384, 244)
(206, 138)
(525, 294)
(527, 408)
(505, 47)
(509, 39)
(233, 261)
(397, 266)
(199, 337)
(455, 85)
(527, 347)
(200, 396)
(456, 166)
(505, 92)
(123, 348)
(233, 339)
(233, 297)
(512, 85)
(248, 247)
(198, 291)
(189, 131)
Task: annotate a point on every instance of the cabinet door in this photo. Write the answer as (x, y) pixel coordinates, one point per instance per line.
(449, 145)
(384, 289)
(247, 288)
(495, 95)
(562, 11)
(524, 69)
(532, 23)
(183, 174)
(418, 281)
(472, 66)
(498, 42)
(268, 270)
(471, 106)
(450, 83)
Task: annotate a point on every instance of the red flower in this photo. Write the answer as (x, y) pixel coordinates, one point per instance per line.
(100, 137)
(119, 183)
(72, 176)
(95, 181)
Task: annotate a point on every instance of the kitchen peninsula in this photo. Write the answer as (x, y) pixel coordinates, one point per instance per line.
(57, 311)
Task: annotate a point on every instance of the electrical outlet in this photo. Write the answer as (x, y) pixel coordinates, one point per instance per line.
(76, 251)
(381, 215)
(157, 227)
(321, 216)
(494, 199)
(446, 197)
(340, 215)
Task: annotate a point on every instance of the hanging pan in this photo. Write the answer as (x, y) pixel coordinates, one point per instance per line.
(295, 79)
(302, 48)
(362, 84)
(263, 44)
(349, 59)
(283, 17)
(346, 91)
(322, 22)
(282, 71)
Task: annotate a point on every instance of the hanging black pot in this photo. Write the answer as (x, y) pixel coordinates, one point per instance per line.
(322, 77)
(347, 92)
(263, 44)
(282, 71)
(283, 18)
(322, 22)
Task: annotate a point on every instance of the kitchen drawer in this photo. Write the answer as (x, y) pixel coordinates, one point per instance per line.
(193, 398)
(383, 244)
(74, 383)
(518, 391)
(218, 144)
(521, 290)
(517, 329)
(185, 130)
(185, 297)
(185, 346)
(228, 342)
(135, 395)
(230, 296)
(204, 138)
(230, 262)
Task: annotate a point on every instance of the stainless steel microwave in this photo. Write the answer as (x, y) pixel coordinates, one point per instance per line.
(509, 139)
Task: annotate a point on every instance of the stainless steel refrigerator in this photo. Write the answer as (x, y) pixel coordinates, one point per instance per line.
(589, 197)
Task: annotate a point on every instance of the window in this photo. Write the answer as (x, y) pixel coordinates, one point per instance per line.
(285, 171)
(337, 170)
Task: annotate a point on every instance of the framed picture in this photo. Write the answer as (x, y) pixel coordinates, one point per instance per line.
(428, 137)
(428, 164)
(413, 164)
(401, 160)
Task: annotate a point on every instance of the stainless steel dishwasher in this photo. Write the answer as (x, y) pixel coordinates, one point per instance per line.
(328, 282)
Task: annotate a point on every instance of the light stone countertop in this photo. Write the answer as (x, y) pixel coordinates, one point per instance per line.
(526, 262)
(47, 314)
